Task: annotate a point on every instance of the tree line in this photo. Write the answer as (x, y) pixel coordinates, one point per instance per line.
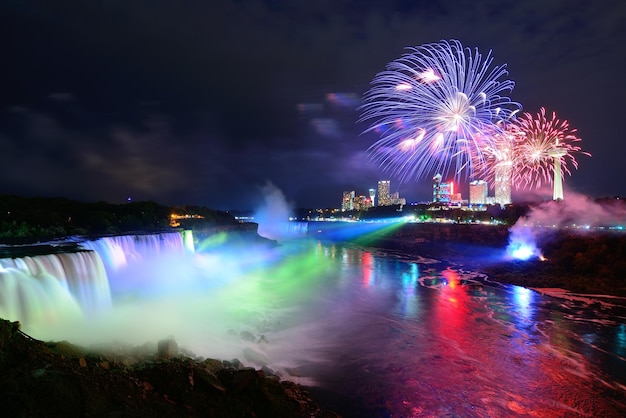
(38, 217)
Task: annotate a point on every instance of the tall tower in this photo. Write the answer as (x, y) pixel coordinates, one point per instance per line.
(436, 188)
(347, 203)
(372, 195)
(556, 155)
(502, 184)
(383, 193)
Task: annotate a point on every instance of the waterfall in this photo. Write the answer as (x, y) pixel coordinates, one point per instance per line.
(40, 290)
(118, 251)
(45, 288)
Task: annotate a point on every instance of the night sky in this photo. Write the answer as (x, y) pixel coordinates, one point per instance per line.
(205, 102)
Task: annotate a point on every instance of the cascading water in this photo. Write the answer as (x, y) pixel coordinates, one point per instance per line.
(118, 251)
(42, 291)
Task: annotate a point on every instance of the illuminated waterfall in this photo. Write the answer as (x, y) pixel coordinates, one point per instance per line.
(188, 240)
(118, 251)
(45, 289)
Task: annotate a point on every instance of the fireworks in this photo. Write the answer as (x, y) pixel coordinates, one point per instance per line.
(547, 150)
(500, 161)
(530, 151)
(432, 106)
(500, 158)
(442, 107)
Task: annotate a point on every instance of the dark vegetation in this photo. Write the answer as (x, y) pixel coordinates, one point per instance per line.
(430, 212)
(589, 262)
(23, 219)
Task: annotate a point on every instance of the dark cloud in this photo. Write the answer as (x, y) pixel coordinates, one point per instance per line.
(198, 102)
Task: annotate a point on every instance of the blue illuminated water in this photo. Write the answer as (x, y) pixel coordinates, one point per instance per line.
(403, 336)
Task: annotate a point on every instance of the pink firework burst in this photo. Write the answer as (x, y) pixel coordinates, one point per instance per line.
(547, 143)
(500, 156)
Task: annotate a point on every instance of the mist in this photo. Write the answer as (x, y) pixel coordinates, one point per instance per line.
(576, 212)
(273, 215)
(254, 305)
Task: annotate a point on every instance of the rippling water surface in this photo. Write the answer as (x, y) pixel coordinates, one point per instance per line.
(406, 336)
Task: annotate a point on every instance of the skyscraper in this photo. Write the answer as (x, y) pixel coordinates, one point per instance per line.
(443, 192)
(384, 199)
(372, 196)
(436, 188)
(347, 202)
(502, 184)
(478, 192)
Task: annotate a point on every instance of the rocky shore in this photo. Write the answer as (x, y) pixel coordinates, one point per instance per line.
(58, 379)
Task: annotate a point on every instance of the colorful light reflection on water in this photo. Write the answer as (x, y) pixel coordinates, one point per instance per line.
(390, 334)
(425, 340)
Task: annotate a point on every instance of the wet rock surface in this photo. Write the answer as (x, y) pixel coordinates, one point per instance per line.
(58, 379)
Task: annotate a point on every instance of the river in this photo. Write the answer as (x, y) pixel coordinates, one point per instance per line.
(371, 333)
(404, 336)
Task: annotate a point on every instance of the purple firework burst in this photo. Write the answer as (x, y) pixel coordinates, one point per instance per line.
(431, 107)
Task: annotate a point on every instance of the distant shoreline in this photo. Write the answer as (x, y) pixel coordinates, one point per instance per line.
(591, 263)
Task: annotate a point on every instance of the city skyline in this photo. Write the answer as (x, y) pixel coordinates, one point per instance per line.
(203, 104)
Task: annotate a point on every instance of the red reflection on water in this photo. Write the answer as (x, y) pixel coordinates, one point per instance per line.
(451, 311)
(456, 348)
(367, 268)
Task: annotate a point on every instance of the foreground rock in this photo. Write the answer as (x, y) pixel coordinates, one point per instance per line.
(62, 380)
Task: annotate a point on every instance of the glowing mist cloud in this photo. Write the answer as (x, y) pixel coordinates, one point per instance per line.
(579, 212)
(522, 243)
(205, 300)
(273, 216)
(431, 106)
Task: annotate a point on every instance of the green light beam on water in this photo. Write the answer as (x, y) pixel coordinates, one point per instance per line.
(378, 234)
(292, 278)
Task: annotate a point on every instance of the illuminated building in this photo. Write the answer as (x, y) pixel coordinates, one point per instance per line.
(503, 185)
(442, 191)
(436, 187)
(372, 196)
(446, 190)
(478, 192)
(384, 199)
(362, 202)
(176, 217)
(395, 199)
(455, 198)
(347, 202)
